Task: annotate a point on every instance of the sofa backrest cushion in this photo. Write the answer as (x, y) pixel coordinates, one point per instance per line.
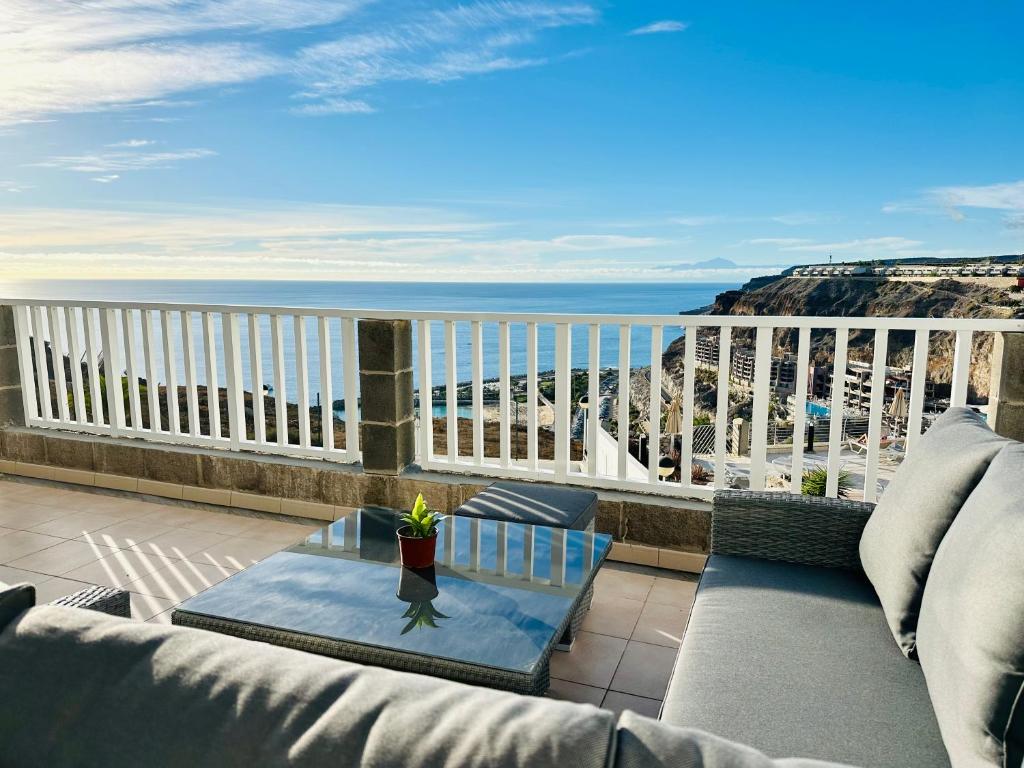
(86, 689)
(916, 510)
(971, 632)
(15, 599)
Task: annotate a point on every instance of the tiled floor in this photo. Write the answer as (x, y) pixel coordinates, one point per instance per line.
(63, 540)
(623, 657)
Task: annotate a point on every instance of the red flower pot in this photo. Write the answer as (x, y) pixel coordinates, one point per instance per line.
(416, 552)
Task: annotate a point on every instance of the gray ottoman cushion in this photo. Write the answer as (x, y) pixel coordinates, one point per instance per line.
(926, 492)
(797, 661)
(93, 690)
(533, 504)
(971, 632)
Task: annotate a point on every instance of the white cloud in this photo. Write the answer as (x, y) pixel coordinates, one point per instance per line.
(432, 47)
(867, 245)
(698, 221)
(103, 162)
(659, 27)
(951, 200)
(352, 242)
(793, 219)
(131, 143)
(1003, 197)
(109, 54)
(781, 241)
(13, 186)
(106, 179)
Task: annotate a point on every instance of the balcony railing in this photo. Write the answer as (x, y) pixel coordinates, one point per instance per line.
(197, 374)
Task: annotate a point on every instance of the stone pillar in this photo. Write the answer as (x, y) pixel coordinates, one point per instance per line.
(12, 409)
(388, 436)
(740, 437)
(1006, 397)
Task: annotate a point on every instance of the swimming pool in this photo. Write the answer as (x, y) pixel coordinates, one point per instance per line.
(817, 409)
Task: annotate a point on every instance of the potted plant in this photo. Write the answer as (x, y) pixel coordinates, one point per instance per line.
(418, 537)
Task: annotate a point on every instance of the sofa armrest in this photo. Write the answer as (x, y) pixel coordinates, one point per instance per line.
(782, 526)
(114, 602)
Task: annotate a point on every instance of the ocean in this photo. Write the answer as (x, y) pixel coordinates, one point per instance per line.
(569, 298)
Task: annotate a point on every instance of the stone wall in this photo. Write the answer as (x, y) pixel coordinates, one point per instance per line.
(314, 489)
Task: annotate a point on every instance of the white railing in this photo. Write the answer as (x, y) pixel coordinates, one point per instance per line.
(191, 375)
(545, 360)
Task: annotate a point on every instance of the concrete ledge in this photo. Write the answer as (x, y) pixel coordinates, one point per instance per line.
(647, 529)
(158, 488)
(116, 482)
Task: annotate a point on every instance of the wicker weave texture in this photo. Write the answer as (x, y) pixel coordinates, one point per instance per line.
(531, 684)
(781, 526)
(103, 599)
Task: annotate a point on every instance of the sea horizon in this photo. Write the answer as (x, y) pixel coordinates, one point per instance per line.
(623, 299)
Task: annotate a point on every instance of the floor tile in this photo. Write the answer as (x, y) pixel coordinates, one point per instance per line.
(126, 533)
(22, 516)
(236, 553)
(179, 581)
(645, 670)
(227, 524)
(611, 581)
(51, 589)
(617, 702)
(10, 575)
(60, 558)
(12, 490)
(612, 615)
(180, 542)
(175, 517)
(74, 525)
(116, 506)
(592, 661)
(661, 624)
(281, 532)
(119, 568)
(18, 544)
(582, 694)
(145, 607)
(673, 592)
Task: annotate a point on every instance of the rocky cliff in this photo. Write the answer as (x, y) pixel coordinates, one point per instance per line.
(867, 297)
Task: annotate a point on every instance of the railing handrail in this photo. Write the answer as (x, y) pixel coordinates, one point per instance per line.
(984, 325)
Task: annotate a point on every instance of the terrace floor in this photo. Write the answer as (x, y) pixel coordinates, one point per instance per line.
(63, 540)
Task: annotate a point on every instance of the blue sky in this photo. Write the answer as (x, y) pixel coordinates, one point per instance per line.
(524, 141)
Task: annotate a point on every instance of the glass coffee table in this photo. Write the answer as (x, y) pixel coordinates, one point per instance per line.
(499, 599)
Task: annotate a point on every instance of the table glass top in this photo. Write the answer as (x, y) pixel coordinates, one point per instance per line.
(496, 596)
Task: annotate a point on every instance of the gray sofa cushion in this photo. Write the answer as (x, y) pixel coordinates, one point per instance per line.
(645, 743)
(14, 599)
(971, 633)
(914, 513)
(81, 688)
(797, 660)
(533, 504)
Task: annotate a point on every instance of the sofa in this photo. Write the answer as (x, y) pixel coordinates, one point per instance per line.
(80, 688)
(823, 633)
(888, 635)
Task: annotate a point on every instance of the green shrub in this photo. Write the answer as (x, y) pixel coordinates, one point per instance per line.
(815, 481)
